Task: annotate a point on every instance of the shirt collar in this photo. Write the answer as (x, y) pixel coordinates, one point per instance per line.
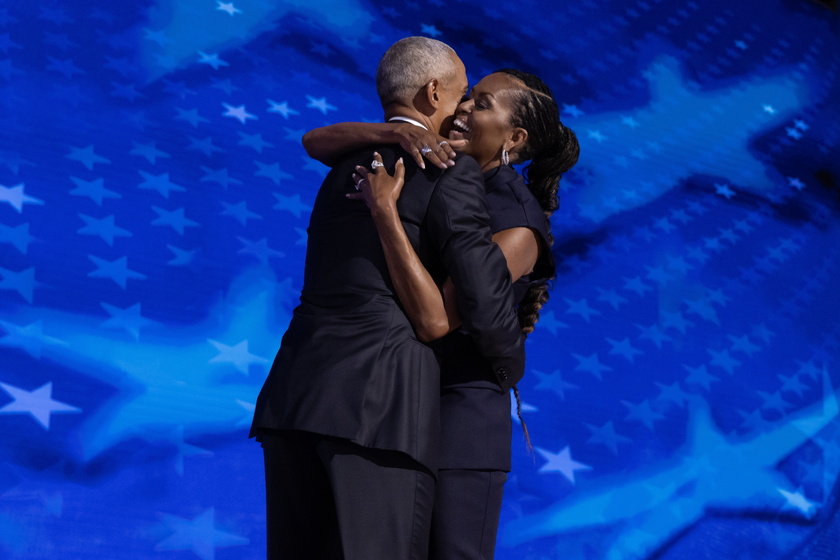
(408, 120)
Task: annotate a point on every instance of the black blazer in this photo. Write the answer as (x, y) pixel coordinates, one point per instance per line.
(349, 364)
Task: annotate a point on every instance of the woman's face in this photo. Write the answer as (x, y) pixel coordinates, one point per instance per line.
(484, 119)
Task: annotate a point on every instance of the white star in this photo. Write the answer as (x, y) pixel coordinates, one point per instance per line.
(320, 104)
(16, 197)
(281, 108)
(228, 7)
(561, 462)
(797, 500)
(37, 403)
(237, 355)
(211, 60)
(238, 113)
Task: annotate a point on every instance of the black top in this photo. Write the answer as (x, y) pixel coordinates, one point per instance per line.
(475, 411)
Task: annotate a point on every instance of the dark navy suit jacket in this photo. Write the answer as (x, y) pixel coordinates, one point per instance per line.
(349, 364)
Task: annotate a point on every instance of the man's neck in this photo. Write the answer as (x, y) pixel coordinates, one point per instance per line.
(410, 115)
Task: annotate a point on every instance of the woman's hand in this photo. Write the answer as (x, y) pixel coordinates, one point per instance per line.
(421, 143)
(377, 188)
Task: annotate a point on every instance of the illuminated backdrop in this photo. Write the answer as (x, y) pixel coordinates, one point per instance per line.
(682, 382)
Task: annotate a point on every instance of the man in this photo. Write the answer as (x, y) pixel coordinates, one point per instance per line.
(349, 414)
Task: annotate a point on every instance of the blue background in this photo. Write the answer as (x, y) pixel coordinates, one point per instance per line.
(682, 383)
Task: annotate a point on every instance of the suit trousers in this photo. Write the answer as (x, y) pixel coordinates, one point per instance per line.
(330, 499)
(468, 504)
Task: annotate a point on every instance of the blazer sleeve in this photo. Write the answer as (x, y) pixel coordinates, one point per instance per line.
(459, 224)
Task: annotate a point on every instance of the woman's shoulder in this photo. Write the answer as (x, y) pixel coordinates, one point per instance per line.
(511, 203)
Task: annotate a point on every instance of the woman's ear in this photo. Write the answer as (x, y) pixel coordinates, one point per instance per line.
(517, 140)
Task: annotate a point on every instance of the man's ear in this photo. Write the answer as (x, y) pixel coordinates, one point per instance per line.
(433, 92)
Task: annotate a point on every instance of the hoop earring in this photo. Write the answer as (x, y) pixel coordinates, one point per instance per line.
(505, 157)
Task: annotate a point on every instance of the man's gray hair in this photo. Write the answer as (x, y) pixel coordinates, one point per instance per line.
(408, 65)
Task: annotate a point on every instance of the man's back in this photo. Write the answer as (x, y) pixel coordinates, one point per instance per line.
(350, 365)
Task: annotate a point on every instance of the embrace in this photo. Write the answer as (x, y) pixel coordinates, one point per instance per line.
(385, 419)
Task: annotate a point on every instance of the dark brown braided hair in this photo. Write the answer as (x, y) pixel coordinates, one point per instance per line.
(551, 150)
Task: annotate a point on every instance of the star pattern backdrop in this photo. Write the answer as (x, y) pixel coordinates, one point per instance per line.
(682, 383)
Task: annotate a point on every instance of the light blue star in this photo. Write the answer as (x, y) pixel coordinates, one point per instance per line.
(291, 204)
(86, 156)
(792, 384)
(160, 183)
(227, 7)
(237, 355)
(271, 171)
(238, 113)
(148, 151)
(116, 270)
(774, 401)
(18, 236)
(636, 285)
(37, 403)
(743, 344)
(219, 176)
(129, 319)
(254, 141)
(240, 212)
(672, 393)
(561, 462)
(674, 320)
(591, 364)
(95, 190)
(30, 338)
(158, 37)
(281, 109)
(430, 30)
(23, 282)
(724, 191)
(320, 104)
(224, 85)
(624, 348)
(182, 257)
(643, 413)
(797, 501)
(581, 307)
(611, 297)
(700, 376)
(65, 67)
(198, 535)
(549, 321)
(702, 308)
(654, 334)
(724, 360)
(104, 228)
(572, 110)
(606, 436)
(553, 382)
(259, 249)
(205, 146)
(16, 197)
(212, 60)
(173, 218)
(191, 116)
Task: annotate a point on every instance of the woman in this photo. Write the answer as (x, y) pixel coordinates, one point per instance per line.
(510, 117)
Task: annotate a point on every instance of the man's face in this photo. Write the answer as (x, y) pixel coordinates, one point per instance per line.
(452, 91)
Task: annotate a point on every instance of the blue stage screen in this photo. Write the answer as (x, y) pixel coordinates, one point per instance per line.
(682, 382)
